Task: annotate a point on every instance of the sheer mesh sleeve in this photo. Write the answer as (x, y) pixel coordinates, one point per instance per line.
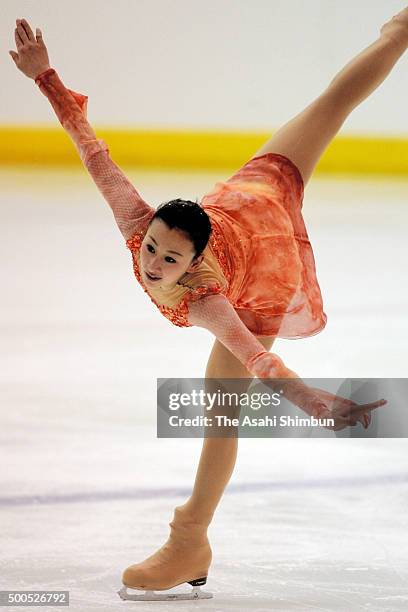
(129, 209)
(216, 314)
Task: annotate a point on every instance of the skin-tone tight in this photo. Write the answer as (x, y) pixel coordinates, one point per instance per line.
(303, 140)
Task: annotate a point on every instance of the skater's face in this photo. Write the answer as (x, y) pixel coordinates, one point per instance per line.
(166, 254)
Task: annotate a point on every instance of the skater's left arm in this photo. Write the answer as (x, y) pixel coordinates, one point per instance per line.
(129, 208)
(216, 314)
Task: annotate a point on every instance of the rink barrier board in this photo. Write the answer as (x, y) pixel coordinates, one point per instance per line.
(195, 150)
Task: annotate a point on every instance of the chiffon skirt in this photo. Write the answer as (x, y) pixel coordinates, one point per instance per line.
(268, 257)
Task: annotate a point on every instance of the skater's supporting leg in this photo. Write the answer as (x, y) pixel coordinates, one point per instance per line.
(218, 455)
(186, 555)
(305, 137)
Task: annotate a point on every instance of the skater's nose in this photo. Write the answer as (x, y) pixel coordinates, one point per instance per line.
(154, 267)
(155, 271)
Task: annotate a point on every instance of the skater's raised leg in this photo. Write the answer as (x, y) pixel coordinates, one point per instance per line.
(187, 555)
(305, 137)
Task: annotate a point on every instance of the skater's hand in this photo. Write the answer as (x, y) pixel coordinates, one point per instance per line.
(32, 57)
(397, 29)
(310, 399)
(345, 412)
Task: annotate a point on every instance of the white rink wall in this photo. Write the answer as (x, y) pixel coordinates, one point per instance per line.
(187, 64)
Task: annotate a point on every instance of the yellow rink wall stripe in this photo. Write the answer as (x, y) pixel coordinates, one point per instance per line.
(196, 150)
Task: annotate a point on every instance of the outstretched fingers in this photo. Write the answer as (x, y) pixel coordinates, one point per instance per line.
(356, 414)
(18, 39)
(24, 35)
(25, 31)
(359, 411)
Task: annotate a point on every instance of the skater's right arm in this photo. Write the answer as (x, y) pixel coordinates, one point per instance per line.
(129, 209)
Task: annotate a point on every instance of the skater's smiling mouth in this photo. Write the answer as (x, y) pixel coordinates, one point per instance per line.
(152, 277)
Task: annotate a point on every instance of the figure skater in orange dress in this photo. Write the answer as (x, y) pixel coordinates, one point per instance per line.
(239, 264)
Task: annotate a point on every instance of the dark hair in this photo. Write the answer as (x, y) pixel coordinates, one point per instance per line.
(188, 217)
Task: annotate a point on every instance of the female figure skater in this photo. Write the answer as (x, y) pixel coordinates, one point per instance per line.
(239, 264)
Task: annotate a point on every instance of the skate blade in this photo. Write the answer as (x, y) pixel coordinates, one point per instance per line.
(195, 593)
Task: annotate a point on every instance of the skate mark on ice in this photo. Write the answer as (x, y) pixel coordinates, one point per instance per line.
(167, 492)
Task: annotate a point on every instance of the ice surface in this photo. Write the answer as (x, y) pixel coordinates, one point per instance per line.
(87, 488)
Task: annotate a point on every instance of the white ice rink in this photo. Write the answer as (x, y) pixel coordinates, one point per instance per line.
(317, 524)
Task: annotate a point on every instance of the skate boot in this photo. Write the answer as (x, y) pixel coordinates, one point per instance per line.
(396, 29)
(185, 557)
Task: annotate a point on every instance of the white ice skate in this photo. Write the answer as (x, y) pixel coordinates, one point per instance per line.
(195, 593)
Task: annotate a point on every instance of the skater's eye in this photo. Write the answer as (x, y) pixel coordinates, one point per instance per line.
(150, 248)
